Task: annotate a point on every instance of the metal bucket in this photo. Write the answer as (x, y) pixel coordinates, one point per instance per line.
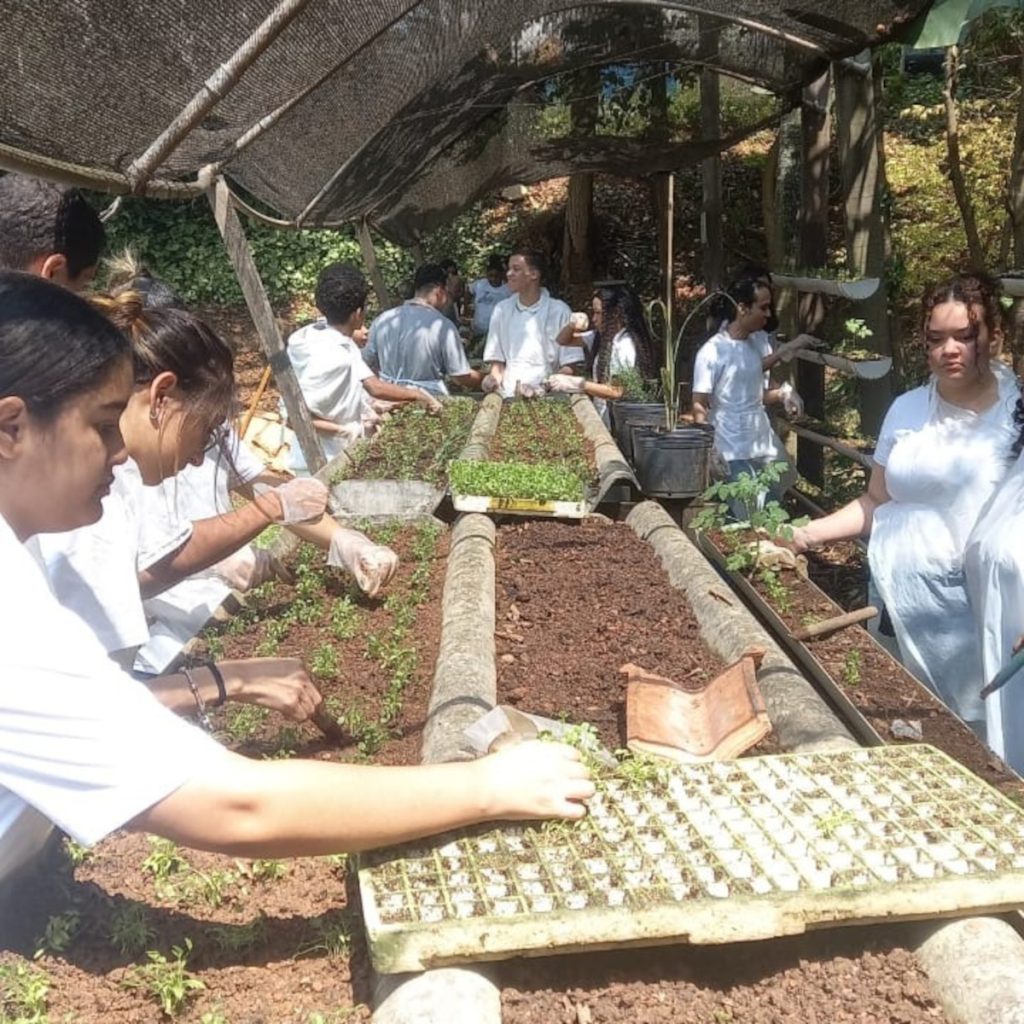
(673, 464)
(626, 415)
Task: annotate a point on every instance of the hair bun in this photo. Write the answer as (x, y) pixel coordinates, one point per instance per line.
(124, 310)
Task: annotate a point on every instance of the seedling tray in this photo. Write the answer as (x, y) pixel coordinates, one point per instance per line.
(519, 506)
(719, 852)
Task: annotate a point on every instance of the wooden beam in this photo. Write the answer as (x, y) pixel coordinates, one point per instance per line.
(266, 326)
(372, 266)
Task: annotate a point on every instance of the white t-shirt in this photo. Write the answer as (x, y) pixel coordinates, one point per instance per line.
(623, 357)
(94, 571)
(485, 297)
(730, 371)
(197, 492)
(82, 744)
(524, 338)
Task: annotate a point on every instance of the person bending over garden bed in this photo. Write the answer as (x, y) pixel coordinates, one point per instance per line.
(82, 745)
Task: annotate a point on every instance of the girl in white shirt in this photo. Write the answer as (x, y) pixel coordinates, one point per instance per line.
(942, 451)
(83, 745)
(620, 340)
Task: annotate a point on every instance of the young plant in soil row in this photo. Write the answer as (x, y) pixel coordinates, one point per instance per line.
(542, 431)
(537, 482)
(412, 445)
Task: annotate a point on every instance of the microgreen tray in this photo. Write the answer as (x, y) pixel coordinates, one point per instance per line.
(717, 852)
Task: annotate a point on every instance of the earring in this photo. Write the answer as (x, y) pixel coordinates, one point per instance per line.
(154, 416)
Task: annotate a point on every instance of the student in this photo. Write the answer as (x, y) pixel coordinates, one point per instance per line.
(621, 340)
(49, 231)
(485, 293)
(942, 451)
(335, 381)
(731, 388)
(182, 391)
(414, 345)
(84, 745)
(455, 291)
(528, 332)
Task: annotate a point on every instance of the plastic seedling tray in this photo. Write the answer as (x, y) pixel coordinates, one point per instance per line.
(718, 852)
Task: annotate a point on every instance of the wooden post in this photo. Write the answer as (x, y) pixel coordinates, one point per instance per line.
(711, 168)
(862, 175)
(810, 377)
(372, 266)
(266, 326)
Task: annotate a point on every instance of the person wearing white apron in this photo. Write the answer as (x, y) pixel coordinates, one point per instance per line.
(528, 334)
(942, 451)
(994, 566)
(731, 387)
(620, 340)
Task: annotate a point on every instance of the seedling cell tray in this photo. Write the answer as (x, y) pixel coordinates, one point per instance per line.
(519, 506)
(725, 851)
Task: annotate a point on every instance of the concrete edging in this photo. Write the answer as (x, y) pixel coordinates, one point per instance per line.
(465, 687)
(485, 423)
(612, 467)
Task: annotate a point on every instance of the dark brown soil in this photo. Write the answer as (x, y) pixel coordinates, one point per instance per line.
(875, 682)
(284, 942)
(576, 602)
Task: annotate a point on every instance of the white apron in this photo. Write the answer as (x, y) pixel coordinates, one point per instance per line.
(994, 565)
(939, 478)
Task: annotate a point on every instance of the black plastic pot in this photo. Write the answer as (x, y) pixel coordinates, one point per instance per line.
(673, 464)
(626, 415)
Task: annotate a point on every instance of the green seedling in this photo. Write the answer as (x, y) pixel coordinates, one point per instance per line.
(163, 860)
(776, 590)
(129, 930)
(345, 617)
(237, 938)
(167, 981)
(214, 1016)
(266, 869)
(58, 934)
(76, 854)
(851, 668)
(332, 935)
(828, 824)
(323, 663)
(243, 721)
(23, 994)
(517, 480)
(286, 744)
(213, 643)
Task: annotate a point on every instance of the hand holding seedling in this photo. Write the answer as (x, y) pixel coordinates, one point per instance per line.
(535, 780)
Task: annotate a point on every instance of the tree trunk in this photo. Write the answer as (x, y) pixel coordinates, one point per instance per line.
(577, 263)
(956, 172)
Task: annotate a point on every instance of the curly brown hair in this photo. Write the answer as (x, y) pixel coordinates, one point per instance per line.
(978, 292)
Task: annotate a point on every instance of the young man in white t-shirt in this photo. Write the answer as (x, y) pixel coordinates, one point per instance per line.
(528, 332)
(485, 293)
(335, 381)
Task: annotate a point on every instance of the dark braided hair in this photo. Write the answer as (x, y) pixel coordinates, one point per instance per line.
(621, 311)
(1018, 418)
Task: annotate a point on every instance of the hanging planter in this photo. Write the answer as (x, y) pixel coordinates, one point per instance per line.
(1012, 286)
(856, 291)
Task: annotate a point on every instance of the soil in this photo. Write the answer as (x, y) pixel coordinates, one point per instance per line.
(575, 602)
(539, 430)
(875, 682)
(276, 950)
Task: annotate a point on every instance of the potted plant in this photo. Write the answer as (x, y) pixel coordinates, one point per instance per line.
(640, 404)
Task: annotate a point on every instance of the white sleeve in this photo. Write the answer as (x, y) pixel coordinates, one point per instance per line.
(704, 370)
(908, 412)
(246, 464)
(560, 315)
(84, 744)
(495, 350)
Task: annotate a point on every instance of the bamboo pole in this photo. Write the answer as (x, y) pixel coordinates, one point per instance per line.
(372, 266)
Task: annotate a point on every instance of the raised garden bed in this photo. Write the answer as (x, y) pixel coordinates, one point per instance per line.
(539, 463)
(866, 675)
(270, 941)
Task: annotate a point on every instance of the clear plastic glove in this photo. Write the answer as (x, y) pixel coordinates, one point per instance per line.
(302, 500)
(564, 383)
(249, 567)
(524, 390)
(428, 402)
(580, 322)
(789, 349)
(792, 403)
(490, 384)
(373, 565)
(534, 779)
(281, 684)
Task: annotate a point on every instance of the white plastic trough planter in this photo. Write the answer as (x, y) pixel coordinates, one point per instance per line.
(857, 291)
(1013, 286)
(519, 506)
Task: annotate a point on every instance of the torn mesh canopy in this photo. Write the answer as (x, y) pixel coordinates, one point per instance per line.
(402, 112)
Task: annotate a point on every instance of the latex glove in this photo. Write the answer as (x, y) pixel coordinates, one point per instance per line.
(281, 684)
(564, 383)
(249, 567)
(529, 390)
(799, 542)
(348, 431)
(429, 402)
(792, 403)
(580, 322)
(373, 565)
(302, 500)
(534, 779)
(490, 384)
(789, 349)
